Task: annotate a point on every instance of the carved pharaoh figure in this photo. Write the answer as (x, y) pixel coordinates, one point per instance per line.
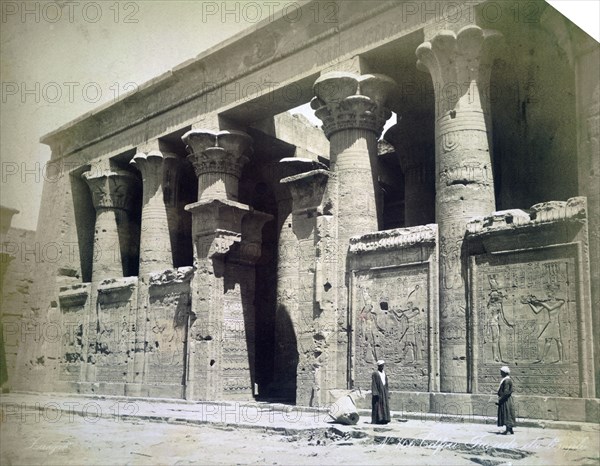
(551, 331)
(409, 339)
(494, 328)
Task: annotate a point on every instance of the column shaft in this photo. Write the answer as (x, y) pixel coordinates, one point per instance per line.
(289, 287)
(460, 67)
(353, 110)
(114, 237)
(159, 210)
(314, 331)
(412, 138)
(227, 241)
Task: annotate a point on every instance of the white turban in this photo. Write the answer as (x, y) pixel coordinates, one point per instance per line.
(381, 362)
(505, 369)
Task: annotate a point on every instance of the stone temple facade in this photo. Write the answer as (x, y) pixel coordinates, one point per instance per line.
(209, 246)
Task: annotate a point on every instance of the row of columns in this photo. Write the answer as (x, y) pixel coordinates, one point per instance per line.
(354, 109)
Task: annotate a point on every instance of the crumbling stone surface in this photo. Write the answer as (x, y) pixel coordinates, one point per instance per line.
(178, 203)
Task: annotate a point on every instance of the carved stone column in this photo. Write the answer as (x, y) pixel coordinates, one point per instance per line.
(218, 158)
(288, 285)
(314, 331)
(159, 210)
(115, 241)
(460, 65)
(353, 110)
(227, 242)
(416, 154)
(158, 239)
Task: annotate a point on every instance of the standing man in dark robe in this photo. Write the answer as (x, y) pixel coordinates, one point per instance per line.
(380, 408)
(506, 410)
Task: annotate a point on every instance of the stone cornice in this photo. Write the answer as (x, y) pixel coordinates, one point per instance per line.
(545, 213)
(398, 238)
(74, 296)
(172, 276)
(110, 284)
(205, 75)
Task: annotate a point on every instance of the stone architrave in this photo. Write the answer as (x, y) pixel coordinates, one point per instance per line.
(460, 65)
(353, 110)
(114, 240)
(159, 209)
(314, 331)
(227, 239)
(417, 159)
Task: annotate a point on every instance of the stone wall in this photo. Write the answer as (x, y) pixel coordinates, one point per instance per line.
(393, 307)
(530, 300)
(17, 262)
(206, 246)
(97, 350)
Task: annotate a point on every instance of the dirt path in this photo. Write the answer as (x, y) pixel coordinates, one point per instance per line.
(79, 442)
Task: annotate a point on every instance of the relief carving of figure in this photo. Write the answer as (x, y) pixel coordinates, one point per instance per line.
(366, 318)
(449, 258)
(408, 332)
(493, 327)
(551, 331)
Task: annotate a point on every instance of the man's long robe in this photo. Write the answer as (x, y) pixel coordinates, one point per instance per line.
(380, 408)
(506, 409)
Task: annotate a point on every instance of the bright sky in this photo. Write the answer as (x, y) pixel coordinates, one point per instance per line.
(61, 59)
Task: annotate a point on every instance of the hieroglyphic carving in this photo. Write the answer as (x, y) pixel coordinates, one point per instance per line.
(391, 308)
(168, 318)
(115, 324)
(235, 333)
(393, 240)
(526, 307)
(74, 304)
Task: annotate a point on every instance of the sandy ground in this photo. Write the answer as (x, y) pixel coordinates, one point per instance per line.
(116, 441)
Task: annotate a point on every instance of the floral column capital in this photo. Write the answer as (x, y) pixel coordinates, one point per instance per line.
(348, 100)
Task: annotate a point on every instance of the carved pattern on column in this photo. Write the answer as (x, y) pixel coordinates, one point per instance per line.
(227, 238)
(314, 330)
(218, 158)
(347, 100)
(460, 62)
(460, 65)
(113, 193)
(111, 190)
(353, 110)
(288, 286)
(159, 216)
